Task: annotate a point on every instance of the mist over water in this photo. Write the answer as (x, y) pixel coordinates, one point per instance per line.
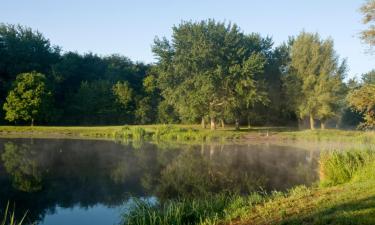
(91, 181)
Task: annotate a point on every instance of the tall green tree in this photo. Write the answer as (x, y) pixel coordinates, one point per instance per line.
(29, 100)
(315, 78)
(99, 74)
(203, 67)
(244, 89)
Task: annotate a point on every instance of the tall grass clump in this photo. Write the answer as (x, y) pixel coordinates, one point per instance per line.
(174, 133)
(205, 211)
(9, 218)
(341, 167)
(131, 133)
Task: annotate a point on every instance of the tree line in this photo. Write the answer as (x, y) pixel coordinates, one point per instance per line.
(208, 72)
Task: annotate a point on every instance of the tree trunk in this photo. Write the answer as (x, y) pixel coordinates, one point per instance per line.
(237, 123)
(322, 125)
(312, 122)
(203, 123)
(32, 122)
(222, 123)
(213, 124)
(248, 122)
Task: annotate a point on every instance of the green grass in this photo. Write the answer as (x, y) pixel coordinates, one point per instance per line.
(207, 210)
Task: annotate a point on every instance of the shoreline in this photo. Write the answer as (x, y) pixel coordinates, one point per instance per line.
(245, 135)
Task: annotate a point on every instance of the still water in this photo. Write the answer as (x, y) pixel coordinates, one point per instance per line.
(92, 181)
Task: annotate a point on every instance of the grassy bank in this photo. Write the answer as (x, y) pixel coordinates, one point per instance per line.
(346, 195)
(181, 133)
(188, 133)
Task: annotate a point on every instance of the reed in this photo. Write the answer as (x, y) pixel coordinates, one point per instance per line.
(339, 167)
(9, 218)
(204, 211)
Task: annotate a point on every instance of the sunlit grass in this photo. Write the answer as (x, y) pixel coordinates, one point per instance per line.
(206, 210)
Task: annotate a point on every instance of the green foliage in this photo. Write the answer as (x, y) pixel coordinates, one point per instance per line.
(22, 50)
(94, 101)
(123, 93)
(166, 113)
(315, 78)
(147, 103)
(145, 113)
(363, 100)
(97, 90)
(205, 211)
(207, 67)
(29, 100)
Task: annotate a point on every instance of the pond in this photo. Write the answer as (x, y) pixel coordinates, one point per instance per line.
(62, 181)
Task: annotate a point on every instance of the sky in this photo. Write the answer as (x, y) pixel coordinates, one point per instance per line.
(129, 27)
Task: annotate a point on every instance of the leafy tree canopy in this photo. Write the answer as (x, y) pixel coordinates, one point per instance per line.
(29, 99)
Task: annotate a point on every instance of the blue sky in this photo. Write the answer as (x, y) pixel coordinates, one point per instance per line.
(129, 27)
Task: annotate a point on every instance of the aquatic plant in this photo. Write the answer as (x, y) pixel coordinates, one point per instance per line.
(10, 219)
(204, 211)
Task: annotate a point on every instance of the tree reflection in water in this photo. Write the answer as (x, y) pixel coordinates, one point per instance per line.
(41, 174)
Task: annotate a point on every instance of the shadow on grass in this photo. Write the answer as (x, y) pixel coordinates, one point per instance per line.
(350, 213)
